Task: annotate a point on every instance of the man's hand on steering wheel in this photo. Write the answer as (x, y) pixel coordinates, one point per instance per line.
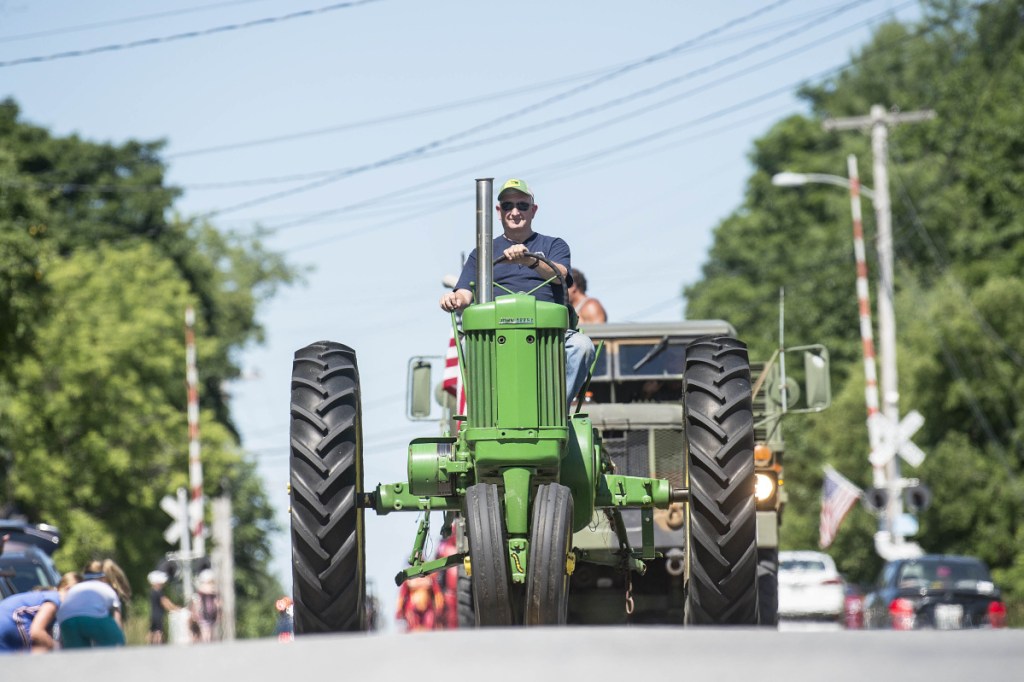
(517, 254)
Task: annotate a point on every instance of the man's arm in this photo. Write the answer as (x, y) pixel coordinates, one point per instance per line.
(456, 300)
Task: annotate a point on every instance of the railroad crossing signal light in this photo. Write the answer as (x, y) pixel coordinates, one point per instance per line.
(917, 498)
(876, 499)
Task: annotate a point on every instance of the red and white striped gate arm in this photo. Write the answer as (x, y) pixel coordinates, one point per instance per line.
(195, 465)
(866, 332)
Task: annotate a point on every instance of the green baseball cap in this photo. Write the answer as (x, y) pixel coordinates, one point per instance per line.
(518, 185)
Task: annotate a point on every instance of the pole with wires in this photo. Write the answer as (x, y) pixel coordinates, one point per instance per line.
(195, 465)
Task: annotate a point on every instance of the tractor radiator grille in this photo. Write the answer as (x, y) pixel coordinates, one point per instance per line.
(481, 400)
(538, 382)
(551, 389)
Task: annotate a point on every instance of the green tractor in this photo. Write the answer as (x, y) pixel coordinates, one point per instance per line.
(521, 476)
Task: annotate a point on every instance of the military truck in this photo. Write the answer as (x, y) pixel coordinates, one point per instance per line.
(634, 401)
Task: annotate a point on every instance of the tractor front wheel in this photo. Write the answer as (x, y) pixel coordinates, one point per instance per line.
(488, 556)
(547, 577)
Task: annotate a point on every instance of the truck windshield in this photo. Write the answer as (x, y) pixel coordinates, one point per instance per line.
(656, 359)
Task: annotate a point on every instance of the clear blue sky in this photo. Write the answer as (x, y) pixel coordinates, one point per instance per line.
(631, 121)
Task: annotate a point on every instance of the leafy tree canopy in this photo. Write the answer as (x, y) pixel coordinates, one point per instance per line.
(95, 275)
(957, 194)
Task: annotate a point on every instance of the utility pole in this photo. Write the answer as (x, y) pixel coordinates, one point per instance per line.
(895, 440)
(224, 564)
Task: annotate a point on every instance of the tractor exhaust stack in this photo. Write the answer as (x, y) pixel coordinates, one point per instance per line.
(484, 240)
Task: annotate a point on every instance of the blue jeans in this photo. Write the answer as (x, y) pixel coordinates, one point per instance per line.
(579, 354)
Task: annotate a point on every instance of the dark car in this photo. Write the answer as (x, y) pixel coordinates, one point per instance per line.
(943, 592)
(25, 562)
(7, 588)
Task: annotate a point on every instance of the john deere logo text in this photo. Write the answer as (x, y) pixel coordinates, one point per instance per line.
(515, 320)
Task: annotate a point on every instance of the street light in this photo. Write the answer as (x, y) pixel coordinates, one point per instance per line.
(790, 179)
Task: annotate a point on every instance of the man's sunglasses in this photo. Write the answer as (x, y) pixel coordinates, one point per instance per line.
(521, 205)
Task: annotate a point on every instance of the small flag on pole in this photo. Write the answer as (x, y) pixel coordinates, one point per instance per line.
(838, 495)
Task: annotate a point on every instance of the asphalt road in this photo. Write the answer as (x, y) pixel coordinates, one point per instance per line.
(548, 654)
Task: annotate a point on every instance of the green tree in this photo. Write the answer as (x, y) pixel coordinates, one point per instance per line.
(95, 279)
(958, 229)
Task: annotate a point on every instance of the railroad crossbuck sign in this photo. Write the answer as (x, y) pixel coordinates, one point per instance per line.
(897, 441)
(180, 510)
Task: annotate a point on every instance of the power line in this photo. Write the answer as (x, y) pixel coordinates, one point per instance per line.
(182, 36)
(329, 176)
(119, 22)
(459, 103)
(651, 137)
(421, 149)
(391, 118)
(692, 74)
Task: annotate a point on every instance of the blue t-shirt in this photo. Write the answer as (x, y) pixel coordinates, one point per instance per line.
(16, 615)
(522, 278)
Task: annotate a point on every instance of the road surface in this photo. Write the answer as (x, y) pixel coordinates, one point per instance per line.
(541, 654)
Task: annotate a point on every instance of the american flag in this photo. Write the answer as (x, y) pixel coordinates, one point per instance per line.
(838, 495)
(452, 380)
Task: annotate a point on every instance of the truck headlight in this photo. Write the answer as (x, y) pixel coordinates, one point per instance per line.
(765, 487)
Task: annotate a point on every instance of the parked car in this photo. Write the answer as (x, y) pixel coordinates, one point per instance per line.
(25, 559)
(6, 586)
(944, 592)
(853, 606)
(810, 587)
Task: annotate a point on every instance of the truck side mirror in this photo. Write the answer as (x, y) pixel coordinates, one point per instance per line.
(808, 387)
(418, 389)
(816, 374)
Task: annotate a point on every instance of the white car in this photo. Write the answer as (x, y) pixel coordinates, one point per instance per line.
(810, 587)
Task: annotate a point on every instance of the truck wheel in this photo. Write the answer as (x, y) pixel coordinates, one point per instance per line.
(721, 517)
(768, 587)
(464, 589)
(327, 531)
(547, 581)
(488, 556)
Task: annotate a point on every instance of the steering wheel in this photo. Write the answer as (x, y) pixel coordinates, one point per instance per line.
(558, 275)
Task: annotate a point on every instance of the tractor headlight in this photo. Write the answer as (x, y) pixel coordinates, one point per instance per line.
(765, 487)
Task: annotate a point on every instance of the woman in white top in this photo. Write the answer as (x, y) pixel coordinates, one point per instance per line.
(90, 613)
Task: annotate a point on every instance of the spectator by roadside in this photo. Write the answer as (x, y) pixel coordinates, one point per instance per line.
(27, 619)
(91, 614)
(205, 607)
(159, 606)
(589, 309)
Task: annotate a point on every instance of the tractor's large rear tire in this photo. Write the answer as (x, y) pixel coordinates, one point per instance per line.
(488, 555)
(547, 578)
(721, 516)
(327, 531)
(768, 587)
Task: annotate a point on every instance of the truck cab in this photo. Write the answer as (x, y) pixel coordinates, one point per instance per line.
(634, 402)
